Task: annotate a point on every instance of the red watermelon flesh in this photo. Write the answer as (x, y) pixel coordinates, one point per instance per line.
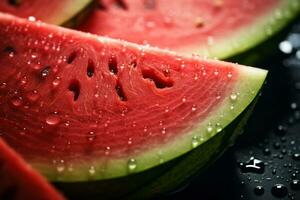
(209, 27)
(51, 11)
(19, 181)
(78, 106)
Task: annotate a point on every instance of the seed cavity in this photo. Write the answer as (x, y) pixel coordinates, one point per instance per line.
(113, 65)
(133, 64)
(121, 4)
(90, 70)
(14, 2)
(120, 92)
(74, 87)
(72, 57)
(158, 78)
(9, 49)
(45, 71)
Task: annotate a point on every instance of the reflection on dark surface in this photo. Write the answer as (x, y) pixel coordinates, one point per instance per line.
(272, 135)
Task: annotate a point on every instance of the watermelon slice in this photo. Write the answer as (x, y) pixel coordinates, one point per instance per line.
(19, 181)
(83, 108)
(50, 11)
(215, 28)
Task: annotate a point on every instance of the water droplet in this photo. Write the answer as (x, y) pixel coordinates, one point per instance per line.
(229, 75)
(91, 136)
(132, 165)
(259, 190)
(56, 81)
(279, 190)
(194, 108)
(276, 145)
(296, 156)
(252, 165)
(167, 109)
(219, 127)
(183, 100)
(286, 47)
(195, 141)
(267, 151)
(60, 166)
(209, 128)
(52, 120)
(163, 131)
(231, 107)
(295, 184)
(294, 106)
(233, 97)
(145, 129)
(281, 130)
(17, 101)
(92, 170)
(31, 18)
(33, 95)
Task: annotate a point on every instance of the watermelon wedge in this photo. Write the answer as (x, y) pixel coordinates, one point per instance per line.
(50, 11)
(82, 108)
(19, 181)
(214, 28)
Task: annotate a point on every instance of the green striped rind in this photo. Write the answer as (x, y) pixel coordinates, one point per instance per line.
(71, 9)
(250, 35)
(248, 84)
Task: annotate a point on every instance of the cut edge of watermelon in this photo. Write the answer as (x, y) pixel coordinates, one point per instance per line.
(250, 82)
(72, 8)
(250, 36)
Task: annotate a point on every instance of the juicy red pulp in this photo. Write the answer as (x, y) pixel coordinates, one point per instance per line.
(68, 96)
(174, 24)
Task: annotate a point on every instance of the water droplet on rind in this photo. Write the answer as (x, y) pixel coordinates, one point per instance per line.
(131, 165)
(195, 141)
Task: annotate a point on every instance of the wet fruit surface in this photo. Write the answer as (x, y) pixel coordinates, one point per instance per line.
(271, 139)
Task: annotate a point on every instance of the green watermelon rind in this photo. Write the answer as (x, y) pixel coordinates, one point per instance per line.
(251, 35)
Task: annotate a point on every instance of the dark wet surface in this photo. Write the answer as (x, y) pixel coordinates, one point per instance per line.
(272, 136)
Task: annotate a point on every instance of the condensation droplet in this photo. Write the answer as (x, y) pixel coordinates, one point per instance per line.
(32, 18)
(233, 97)
(195, 141)
(209, 128)
(52, 120)
(17, 101)
(286, 47)
(56, 81)
(92, 170)
(131, 165)
(194, 108)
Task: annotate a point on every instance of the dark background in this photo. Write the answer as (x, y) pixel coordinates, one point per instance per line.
(274, 124)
